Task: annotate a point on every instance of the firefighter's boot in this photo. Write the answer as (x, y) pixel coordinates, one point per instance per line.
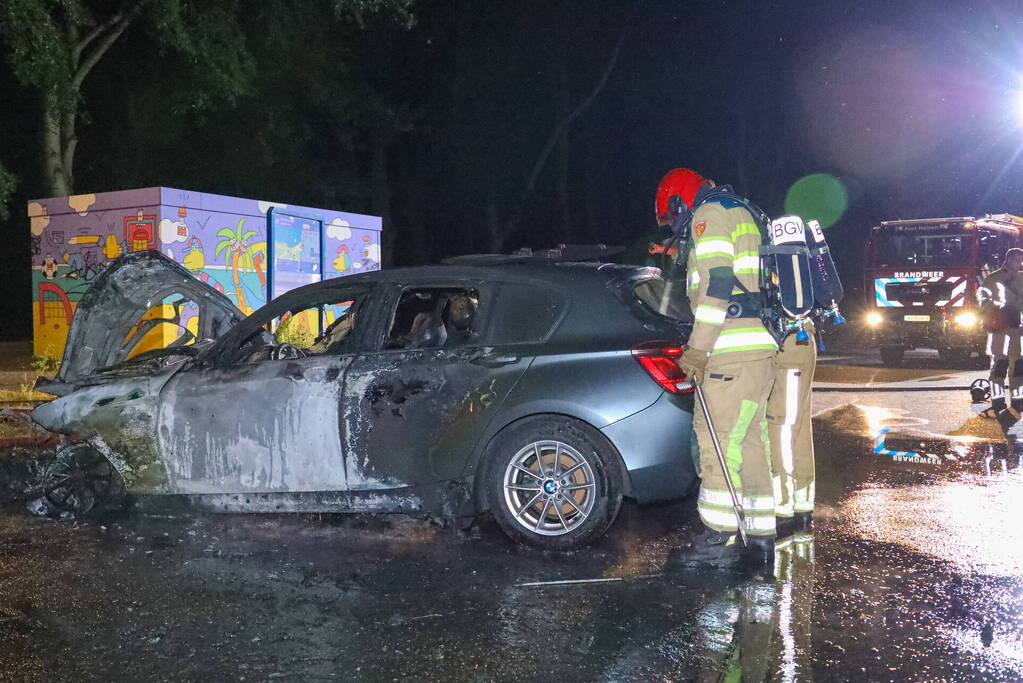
(786, 526)
(721, 550)
(1005, 418)
(803, 521)
(760, 552)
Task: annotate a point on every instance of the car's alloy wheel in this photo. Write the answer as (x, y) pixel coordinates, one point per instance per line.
(79, 479)
(551, 487)
(552, 481)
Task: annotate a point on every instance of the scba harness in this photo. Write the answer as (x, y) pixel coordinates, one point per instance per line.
(798, 280)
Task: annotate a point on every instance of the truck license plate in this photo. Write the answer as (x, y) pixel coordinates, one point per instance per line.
(917, 318)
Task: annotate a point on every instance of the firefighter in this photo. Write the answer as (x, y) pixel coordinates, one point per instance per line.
(791, 432)
(1001, 300)
(729, 354)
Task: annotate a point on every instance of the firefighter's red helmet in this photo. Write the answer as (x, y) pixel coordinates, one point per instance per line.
(680, 182)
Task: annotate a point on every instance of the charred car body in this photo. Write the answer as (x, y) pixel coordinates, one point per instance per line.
(922, 277)
(541, 392)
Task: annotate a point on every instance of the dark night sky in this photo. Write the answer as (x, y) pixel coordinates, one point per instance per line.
(912, 106)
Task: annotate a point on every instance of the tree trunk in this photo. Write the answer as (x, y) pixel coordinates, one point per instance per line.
(69, 141)
(60, 111)
(562, 126)
(58, 184)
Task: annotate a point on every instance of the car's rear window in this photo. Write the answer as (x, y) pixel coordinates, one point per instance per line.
(663, 297)
(525, 314)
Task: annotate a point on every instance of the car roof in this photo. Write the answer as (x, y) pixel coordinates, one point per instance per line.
(555, 273)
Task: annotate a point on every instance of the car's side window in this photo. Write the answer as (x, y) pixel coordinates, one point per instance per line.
(431, 317)
(528, 314)
(172, 321)
(320, 326)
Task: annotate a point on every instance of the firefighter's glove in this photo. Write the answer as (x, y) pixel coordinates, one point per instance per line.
(693, 362)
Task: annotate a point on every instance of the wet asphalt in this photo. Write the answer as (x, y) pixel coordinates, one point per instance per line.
(912, 572)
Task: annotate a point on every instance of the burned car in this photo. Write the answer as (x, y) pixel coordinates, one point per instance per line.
(541, 392)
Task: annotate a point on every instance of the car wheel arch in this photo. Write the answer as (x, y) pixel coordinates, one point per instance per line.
(480, 460)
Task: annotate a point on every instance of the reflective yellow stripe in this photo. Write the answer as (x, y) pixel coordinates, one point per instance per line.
(744, 339)
(714, 246)
(762, 504)
(709, 314)
(717, 519)
(745, 262)
(716, 497)
(760, 523)
(745, 229)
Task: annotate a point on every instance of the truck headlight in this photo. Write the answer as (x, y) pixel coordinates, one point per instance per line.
(874, 319)
(967, 319)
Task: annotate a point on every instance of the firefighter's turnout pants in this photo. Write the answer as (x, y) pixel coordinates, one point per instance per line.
(1005, 351)
(736, 394)
(789, 426)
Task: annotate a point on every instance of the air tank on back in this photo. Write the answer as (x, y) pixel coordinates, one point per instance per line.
(827, 287)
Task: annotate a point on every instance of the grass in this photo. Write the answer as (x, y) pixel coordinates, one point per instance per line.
(46, 365)
(15, 428)
(23, 394)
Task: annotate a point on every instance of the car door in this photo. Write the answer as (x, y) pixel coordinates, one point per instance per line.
(415, 407)
(257, 420)
(142, 302)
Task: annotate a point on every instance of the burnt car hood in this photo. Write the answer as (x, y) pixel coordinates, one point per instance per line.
(103, 331)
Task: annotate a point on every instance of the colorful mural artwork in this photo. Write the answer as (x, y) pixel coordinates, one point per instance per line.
(222, 240)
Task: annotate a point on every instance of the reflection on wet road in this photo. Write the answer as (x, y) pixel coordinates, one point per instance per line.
(912, 573)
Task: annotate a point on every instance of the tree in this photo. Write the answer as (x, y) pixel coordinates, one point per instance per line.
(565, 116)
(54, 45)
(7, 185)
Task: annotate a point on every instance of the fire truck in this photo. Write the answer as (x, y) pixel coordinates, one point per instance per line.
(922, 277)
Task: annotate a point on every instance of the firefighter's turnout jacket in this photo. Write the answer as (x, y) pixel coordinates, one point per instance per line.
(1003, 290)
(1001, 297)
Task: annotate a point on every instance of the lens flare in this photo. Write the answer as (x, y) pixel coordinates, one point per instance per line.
(817, 196)
(967, 319)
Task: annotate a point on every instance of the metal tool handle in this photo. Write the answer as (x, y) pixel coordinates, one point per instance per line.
(736, 504)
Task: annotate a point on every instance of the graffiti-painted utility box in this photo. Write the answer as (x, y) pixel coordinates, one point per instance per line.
(251, 250)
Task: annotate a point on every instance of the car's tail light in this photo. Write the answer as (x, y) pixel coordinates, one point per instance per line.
(659, 362)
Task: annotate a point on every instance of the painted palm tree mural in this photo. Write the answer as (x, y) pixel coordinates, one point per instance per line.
(236, 248)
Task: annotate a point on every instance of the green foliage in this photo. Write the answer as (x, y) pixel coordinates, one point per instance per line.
(50, 41)
(39, 42)
(7, 184)
(358, 9)
(210, 37)
(47, 364)
(25, 393)
(290, 332)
